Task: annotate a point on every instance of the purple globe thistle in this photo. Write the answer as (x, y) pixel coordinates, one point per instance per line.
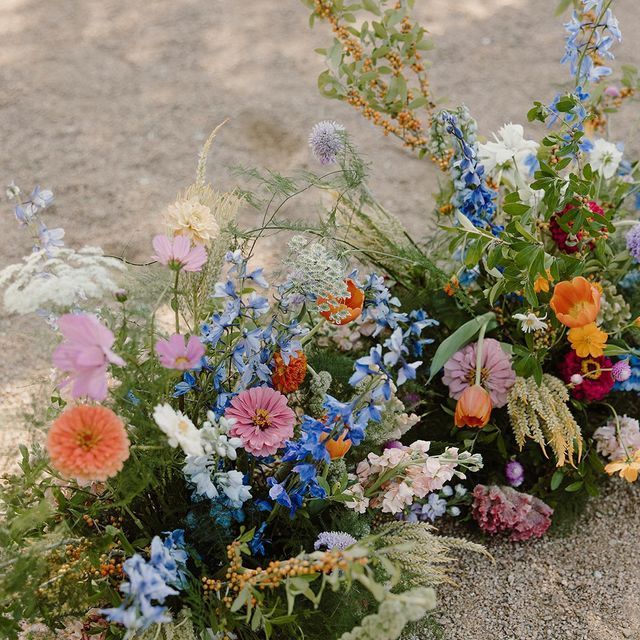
(330, 540)
(327, 140)
(633, 242)
(514, 472)
(621, 371)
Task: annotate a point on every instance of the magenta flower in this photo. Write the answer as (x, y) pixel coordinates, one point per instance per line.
(177, 353)
(84, 354)
(177, 253)
(263, 420)
(496, 376)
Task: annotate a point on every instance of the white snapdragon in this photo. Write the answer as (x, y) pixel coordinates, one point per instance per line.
(215, 438)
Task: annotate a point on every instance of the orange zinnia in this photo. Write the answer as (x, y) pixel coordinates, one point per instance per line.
(88, 443)
(343, 310)
(287, 378)
(576, 302)
(473, 408)
(588, 340)
(337, 447)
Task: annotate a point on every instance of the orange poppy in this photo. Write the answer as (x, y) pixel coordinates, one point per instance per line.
(541, 283)
(628, 469)
(473, 408)
(337, 447)
(343, 310)
(576, 302)
(287, 378)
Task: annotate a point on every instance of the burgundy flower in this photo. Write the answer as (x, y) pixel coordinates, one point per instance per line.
(596, 383)
(560, 236)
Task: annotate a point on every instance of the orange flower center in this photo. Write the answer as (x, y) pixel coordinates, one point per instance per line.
(262, 419)
(591, 369)
(484, 375)
(87, 439)
(182, 360)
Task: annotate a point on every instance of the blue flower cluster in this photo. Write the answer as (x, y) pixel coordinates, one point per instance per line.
(474, 198)
(633, 382)
(251, 354)
(587, 39)
(149, 583)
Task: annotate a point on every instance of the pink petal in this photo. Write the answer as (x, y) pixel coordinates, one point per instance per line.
(162, 247)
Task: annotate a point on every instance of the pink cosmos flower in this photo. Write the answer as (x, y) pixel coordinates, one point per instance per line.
(84, 354)
(497, 375)
(178, 253)
(263, 420)
(176, 353)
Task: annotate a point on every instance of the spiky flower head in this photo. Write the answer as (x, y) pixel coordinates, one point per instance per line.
(633, 242)
(330, 540)
(514, 473)
(327, 140)
(621, 371)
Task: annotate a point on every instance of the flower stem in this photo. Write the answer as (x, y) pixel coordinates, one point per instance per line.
(479, 345)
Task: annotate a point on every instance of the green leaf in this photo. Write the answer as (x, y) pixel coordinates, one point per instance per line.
(574, 486)
(459, 339)
(372, 6)
(516, 208)
(556, 479)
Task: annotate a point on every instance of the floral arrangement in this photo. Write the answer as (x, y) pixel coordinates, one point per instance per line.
(231, 456)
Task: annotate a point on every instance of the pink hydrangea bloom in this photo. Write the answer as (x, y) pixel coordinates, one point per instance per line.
(505, 510)
(177, 353)
(497, 375)
(178, 253)
(263, 420)
(607, 441)
(84, 355)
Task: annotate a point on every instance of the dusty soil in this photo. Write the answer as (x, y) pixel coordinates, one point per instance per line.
(107, 102)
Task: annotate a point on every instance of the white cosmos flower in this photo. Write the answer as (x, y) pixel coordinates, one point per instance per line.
(508, 154)
(179, 429)
(531, 322)
(605, 158)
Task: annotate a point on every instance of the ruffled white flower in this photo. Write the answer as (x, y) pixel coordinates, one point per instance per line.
(58, 280)
(531, 322)
(231, 483)
(179, 429)
(215, 439)
(191, 218)
(605, 158)
(509, 154)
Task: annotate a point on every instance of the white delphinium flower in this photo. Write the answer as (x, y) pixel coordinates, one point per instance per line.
(508, 154)
(531, 322)
(215, 438)
(313, 271)
(179, 429)
(193, 219)
(58, 279)
(231, 483)
(605, 158)
(197, 470)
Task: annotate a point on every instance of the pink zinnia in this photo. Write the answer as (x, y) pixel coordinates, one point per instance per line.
(84, 355)
(263, 420)
(178, 253)
(174, 353)
(497, 375)
(88, 443)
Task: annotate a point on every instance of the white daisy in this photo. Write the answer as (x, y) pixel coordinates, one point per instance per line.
(179, 429)
(531, 322)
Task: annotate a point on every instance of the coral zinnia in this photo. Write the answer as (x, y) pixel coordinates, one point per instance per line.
(497, 375)
(597, 380)
(263, 420)
(588, 340)
(576, 302)
(343, 310)
(88, 443)
(287, 377)
(473, 408)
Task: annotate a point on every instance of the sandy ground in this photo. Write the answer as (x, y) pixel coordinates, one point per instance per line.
(107, 102)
